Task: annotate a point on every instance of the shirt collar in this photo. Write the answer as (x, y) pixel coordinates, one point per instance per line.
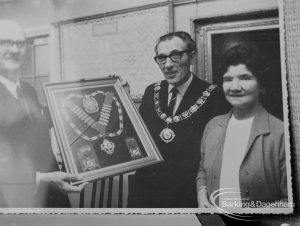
(11, 86)
(182, 88)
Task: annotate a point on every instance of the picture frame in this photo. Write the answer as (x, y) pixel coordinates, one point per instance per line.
(98, 128)
(204, 29)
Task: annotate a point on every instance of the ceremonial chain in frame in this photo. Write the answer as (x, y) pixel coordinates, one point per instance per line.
(99, 130)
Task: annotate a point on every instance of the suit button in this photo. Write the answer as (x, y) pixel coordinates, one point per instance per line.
(247, 192)
(215, 176)
(246, 173)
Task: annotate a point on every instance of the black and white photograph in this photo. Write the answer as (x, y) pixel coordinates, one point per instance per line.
(138, 108)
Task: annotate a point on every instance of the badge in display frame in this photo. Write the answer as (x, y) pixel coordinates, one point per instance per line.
(99, 130)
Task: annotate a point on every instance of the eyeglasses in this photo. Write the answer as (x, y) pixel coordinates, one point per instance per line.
(175, 56)
(10, 43)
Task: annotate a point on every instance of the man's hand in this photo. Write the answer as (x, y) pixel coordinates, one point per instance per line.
(61, 181)
(203, 201)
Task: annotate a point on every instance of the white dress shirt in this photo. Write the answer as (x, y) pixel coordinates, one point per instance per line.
(10, 85)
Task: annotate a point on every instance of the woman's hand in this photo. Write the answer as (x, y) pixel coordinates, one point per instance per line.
(203, 201)
(61, 180)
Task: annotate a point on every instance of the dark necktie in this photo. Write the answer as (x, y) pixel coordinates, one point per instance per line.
(172, 102)
(24, 103)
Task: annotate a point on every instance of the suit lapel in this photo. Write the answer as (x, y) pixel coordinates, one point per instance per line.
(222, 123)
(217, 156)
(190, 96)
(260, 126)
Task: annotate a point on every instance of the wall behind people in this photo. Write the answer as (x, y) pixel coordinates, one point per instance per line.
(49, 11)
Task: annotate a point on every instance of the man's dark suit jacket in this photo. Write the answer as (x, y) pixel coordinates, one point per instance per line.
(25, 148)
(171, 184)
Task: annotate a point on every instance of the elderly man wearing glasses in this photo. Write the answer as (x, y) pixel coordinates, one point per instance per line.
(175, 112)
(29, 174)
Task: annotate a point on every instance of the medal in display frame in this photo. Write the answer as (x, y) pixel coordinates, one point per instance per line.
(98, 128)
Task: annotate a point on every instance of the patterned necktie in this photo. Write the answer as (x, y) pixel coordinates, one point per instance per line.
(172, 102)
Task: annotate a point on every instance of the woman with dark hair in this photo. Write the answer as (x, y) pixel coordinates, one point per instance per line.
(243, 152)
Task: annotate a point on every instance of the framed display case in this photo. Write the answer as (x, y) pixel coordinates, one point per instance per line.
(99, 130)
